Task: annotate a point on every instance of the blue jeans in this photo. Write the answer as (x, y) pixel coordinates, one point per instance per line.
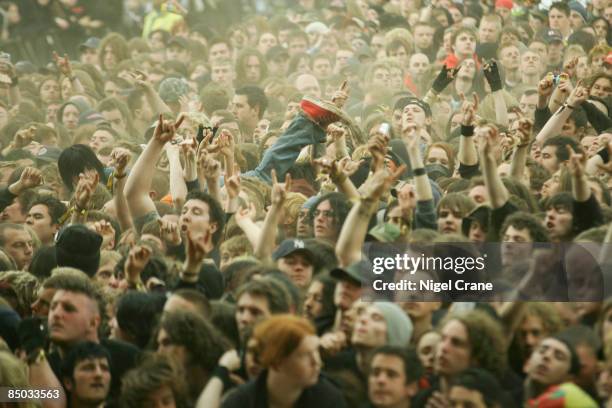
(285, 151)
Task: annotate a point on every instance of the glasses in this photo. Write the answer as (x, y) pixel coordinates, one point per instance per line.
(304, 215)
(324, 213)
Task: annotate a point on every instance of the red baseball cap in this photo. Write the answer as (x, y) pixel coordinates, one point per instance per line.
(504, 4)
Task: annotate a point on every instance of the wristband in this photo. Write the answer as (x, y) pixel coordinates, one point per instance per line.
(604, 154)
(419, 172)
(467, 130)
(14, 82)
(222, 373)
(119, 177)
(567, 105)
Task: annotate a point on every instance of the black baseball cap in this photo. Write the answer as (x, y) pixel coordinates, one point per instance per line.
(356, 272)
(289, 246)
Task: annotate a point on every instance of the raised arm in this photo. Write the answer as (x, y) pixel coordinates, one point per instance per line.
(139, 181)
(245, 217)
(64, 66)
(158, 106)
(555, 123)
(83, 193)
(468, 156)
(521, 150)
(498, 194)
(410, 135)
(355, 227)
(491, 72)
(120, 158)
(264, 247)
(338, 171)
(178, 188)
(580, 185)
(444, 78)
(560, 94)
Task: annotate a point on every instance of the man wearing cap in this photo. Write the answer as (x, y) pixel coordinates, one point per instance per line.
(504, 9)
(277, 58)
(178, 50)
(578, 14)
(549, 373)
(554, 44)
(295, 259)
(89, 51)
(349, 288)
(379, 324)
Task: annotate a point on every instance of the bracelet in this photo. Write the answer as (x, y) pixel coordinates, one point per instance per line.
(419, 172)
(604, 154)
(119, 176)
(467, 130)
(14, 82)
(222, 373)
(567, 105)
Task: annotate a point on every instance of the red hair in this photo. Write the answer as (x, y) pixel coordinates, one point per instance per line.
(279, 336)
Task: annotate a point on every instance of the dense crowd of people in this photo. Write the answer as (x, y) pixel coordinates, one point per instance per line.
(193, 193)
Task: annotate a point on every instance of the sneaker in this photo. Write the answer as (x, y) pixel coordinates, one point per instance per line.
(321, 112)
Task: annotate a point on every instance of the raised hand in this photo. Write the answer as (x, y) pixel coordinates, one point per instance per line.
(232, 185)
(380, 182)
(85, 188)
(486, 142)
(348, 166)
(410, 135)
(335, 132)
(546, 86)
(524, 131)
(565, 85)
(279, 191)
(576, 162)
(63, 64)
(30, 177)
(445, 77)
(570, 67)
(468, 109)
(226, 143)
(139, 79)
(248, 212)
(341, 95)
(120, 157)
(136, 261)
(24, 137)
(377, 146)
(491, 73)
(578, 95)
(165, 131)
(106, 230)
(169, 232)
(212, 168)
(198, 246)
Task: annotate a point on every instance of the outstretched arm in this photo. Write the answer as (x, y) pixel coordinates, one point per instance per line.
(120, 158)
(491, 72)
(519, 157)
(264, 247)
(355, 227)
(555, 123)
(468, 155)
(139, 181)
(498, 194)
